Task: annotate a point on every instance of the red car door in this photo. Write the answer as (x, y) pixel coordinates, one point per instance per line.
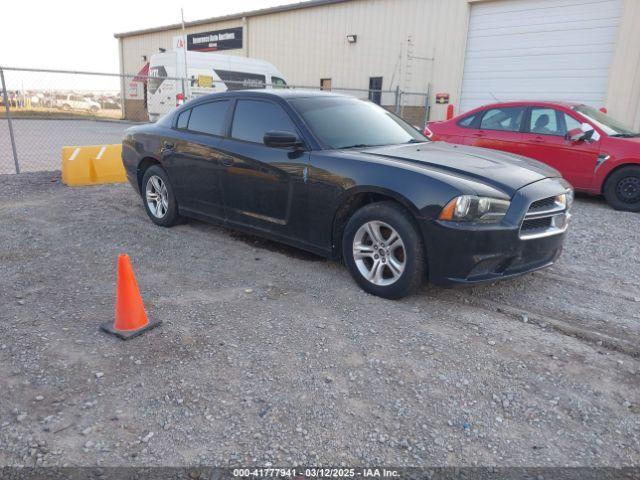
(544, 139)
(499, 129)
(462, 132)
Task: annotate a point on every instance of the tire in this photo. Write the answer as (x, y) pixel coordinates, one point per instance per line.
(94, 109)
(156, 184)
(622, 189)
(66, 107)
(387, 280)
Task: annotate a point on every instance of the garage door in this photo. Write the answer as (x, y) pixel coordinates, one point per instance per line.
(539, 50)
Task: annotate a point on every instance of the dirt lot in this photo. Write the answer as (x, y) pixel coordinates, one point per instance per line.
(271, 355)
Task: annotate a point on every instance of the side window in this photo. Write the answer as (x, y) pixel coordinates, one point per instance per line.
(544, 121)
(467, 122)
(254, 118)
(508, 119)
(571, 123)
(209, 118)
(183, 119)
(277, 82)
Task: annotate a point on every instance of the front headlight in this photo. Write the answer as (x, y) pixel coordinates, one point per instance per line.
(469, 208)
(569, 197)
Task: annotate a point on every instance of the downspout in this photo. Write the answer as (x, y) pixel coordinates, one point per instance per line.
(245, 35)
(122, 80)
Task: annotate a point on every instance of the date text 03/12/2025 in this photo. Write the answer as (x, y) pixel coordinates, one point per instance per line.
(315, 473)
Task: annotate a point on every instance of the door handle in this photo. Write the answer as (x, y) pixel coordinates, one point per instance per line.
(226, 160)
(538, 139)
(479, 134)
(166, 147)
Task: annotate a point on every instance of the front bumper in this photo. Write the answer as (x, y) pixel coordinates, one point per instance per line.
(461, 253)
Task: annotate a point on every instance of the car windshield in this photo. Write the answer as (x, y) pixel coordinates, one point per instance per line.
(607, 124)
(344, 122)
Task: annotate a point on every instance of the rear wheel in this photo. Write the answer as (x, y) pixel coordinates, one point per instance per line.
(622, 189)
(383, 250)
(158, 197)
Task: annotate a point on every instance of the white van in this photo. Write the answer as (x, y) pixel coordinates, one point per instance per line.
(206, 73)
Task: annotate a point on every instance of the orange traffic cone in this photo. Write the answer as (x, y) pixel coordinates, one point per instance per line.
(131, 319)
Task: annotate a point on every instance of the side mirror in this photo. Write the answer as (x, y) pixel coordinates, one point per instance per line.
(280, 139)
(586, 133)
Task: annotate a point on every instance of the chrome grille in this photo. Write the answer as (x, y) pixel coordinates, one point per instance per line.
(542, 204)
(545, 217)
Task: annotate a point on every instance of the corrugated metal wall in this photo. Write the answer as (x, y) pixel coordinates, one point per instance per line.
(623, 93)
(310, 44)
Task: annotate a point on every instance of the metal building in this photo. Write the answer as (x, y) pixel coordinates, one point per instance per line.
(466, 52)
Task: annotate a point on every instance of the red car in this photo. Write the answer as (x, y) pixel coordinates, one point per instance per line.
(594, 152)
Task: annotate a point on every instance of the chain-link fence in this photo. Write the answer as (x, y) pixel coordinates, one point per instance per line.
(42, 111)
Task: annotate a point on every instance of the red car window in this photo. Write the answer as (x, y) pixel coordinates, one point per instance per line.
(508, 119)
(468, 122)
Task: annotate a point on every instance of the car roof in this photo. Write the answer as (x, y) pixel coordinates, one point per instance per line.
(525, 103)
(284, 93)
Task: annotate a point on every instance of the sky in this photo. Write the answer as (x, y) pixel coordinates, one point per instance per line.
(78, 34)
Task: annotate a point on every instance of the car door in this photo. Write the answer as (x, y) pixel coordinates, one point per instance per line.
(193, 159)
(545, 139)
(499, 129)
(264, 187)
(462, 132)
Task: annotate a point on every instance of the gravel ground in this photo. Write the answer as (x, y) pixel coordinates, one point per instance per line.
(36, 139)
(271, 355)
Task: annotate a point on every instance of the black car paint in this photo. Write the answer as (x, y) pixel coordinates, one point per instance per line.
(297, 196)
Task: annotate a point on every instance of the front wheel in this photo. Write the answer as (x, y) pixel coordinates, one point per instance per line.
(383, 250)
(158, 197)
(622, 189)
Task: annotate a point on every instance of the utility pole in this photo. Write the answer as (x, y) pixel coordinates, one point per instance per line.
(184, 42)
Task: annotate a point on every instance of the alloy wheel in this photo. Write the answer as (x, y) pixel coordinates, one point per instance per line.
(157, 196)
(379, 253)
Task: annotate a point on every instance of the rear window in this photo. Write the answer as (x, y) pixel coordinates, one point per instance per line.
(157, 75)
(467, 122)
(209, 118)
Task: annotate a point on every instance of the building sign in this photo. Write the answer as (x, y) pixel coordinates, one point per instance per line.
(134, 91)
(442, 98)
(227, 39)
(178, 42)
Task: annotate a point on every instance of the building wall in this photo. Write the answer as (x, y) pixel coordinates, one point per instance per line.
(623, 93)
(417, 45)
(309, 44)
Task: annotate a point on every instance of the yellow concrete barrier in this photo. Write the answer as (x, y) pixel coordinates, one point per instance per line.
(92, 165)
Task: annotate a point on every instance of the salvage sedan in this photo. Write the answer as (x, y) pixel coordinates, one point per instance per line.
(346, 179)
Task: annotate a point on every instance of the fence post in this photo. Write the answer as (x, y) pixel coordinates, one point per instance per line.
(397, 112)
(9, 123)
(427, 106)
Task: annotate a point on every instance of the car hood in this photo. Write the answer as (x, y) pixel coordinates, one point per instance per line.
(504, 171)
(626, 140)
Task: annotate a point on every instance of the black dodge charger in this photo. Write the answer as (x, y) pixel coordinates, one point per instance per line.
(345, 178)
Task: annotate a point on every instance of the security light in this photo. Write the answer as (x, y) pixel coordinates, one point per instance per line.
(352, 38)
